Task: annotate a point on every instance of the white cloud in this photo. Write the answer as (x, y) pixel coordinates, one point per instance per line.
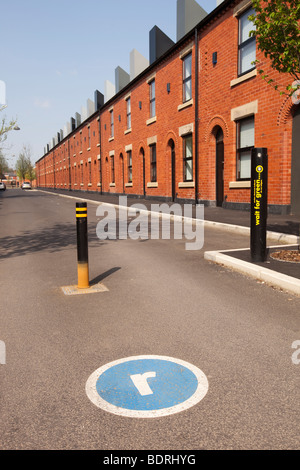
(43, 103)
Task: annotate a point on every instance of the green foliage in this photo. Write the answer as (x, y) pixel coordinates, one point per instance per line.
(30, 174)
(24, 166)
(278, 37)
(3, 165)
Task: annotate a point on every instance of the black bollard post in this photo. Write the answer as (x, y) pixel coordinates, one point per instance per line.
(259, 204)
(82, 245)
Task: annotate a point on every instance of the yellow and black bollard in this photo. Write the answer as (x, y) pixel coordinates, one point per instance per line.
(82, 245)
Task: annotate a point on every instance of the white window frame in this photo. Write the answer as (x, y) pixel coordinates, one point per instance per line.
(245, 43)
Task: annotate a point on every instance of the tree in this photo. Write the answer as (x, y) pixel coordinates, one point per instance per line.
(278, 37)
(5, 127)
(3, 165)
(24, 165)
(30, 174)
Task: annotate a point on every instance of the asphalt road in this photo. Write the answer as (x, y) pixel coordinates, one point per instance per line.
(162, 300)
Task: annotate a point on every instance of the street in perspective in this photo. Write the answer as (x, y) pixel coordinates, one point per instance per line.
(172, 352)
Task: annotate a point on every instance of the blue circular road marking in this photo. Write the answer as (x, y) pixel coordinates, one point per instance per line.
(146, 386)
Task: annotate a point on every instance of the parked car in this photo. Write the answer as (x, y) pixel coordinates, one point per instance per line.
(2, 186)
(26, 185)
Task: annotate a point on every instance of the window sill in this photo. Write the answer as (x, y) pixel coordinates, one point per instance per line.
(186, 184)
(89, 185)
(112, 185)
(185, 105)
(151, 121)
(99, 185)
(243, 78)
(111, 139)
(128, 185)
(88, 149)
(152, 185)
(239, 184)
(127, 131)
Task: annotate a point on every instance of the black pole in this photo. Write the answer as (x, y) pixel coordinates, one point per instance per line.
(259, 204)
(82, 245)
(196, 114)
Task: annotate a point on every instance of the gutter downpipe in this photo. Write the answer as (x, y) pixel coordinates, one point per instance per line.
(196, 115)
(100, 139)
(70, 176)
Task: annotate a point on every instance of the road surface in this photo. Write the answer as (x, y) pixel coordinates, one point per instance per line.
(161, 300)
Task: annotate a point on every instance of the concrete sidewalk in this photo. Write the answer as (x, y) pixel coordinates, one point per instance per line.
(284, 224)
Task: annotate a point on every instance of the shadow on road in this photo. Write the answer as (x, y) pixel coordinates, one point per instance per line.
(102, 276)
(49, 239)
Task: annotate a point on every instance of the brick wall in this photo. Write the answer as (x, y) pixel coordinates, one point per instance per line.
(223, 99)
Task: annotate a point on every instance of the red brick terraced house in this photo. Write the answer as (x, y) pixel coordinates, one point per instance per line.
(183, 128)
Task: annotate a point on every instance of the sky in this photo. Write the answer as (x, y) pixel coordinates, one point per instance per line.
(56, 53)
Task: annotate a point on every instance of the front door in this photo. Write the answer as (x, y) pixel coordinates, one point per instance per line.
(219, 168)
(142, 152)
(295, 170)
(173, 172)
(122, 169)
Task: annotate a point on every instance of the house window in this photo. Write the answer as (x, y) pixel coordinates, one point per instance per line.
(128, 112)
(188, 158)
(112, 168)
(187, 77)
(247, 45)
(111, 123)
(89, 136)
(153, 172)
(152, 99)
(90, 172)
(129, 166)
(245, 142)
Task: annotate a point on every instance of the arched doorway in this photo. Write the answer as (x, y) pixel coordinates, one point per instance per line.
(171, 144)
(295, 169)
(219, 166)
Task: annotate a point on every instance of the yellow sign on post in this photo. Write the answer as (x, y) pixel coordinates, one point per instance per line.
(259, 203)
